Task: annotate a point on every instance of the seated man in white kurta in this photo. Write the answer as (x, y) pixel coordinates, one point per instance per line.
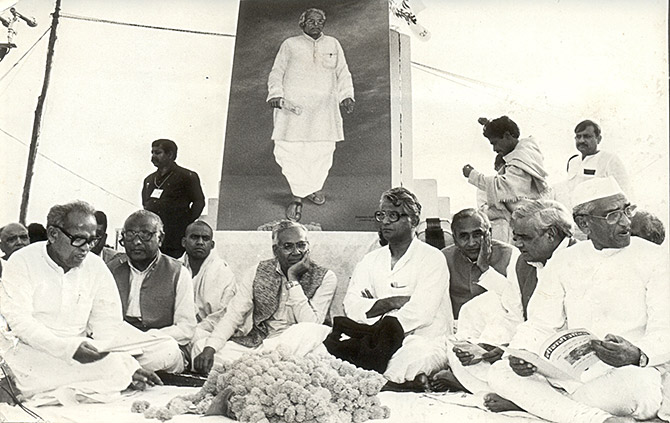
(540, 228)
(409, 280)
(309, 80)
(617, 288)
(213, 279)
(56, 297)
(283, 300)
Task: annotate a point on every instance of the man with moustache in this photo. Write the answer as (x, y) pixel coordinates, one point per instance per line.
(156, 292)
(173, 193)
(593, 162)
(617, 288)
(61, 302)
(280, 301)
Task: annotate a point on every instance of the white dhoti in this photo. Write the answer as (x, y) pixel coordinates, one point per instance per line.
(48, 379)
(474, 378)
(162, 355)
(418, 354)
(304, 164)
(623, 391)
(298, 339)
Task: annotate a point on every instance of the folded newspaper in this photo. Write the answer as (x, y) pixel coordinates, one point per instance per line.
(566, 358)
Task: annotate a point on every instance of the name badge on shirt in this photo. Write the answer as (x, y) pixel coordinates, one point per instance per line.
(157, 193)
(589, 171)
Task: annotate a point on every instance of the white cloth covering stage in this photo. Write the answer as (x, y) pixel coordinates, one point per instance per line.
(405, 408)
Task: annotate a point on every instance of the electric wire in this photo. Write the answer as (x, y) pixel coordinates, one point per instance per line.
(71, 171)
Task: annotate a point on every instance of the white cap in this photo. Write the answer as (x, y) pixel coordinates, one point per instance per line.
(594, 189)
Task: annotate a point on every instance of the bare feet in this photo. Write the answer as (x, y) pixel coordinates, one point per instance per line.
(143, 378)
(221, 404)
(498, 404)
(419, 384)
(444, 381)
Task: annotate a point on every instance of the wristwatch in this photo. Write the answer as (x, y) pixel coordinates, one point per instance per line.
(644, 360)
(291, 284)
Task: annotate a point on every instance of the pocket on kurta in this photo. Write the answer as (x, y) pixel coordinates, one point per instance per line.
(329, 60)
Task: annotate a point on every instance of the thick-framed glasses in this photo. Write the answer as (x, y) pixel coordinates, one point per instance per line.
(392, 215)
(145, 236)
(79, 241)
(289, 247)
(614, 216)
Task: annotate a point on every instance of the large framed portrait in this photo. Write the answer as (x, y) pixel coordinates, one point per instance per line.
(261, 177)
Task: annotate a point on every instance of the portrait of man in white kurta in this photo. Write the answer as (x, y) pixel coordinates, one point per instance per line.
(308, 83)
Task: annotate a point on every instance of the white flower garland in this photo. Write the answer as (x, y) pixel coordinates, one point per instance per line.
(279, 387)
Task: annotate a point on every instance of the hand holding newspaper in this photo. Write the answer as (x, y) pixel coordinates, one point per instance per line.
(565, 358)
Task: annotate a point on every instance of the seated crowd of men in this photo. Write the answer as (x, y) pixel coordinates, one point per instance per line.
(80, 327)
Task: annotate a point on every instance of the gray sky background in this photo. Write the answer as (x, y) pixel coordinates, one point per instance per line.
(547, 64)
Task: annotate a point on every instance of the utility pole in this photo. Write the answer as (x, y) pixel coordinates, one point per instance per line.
(39, 111)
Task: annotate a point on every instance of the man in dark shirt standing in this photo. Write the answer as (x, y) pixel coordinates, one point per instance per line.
(173, 193)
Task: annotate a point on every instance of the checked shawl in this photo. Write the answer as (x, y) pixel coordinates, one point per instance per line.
(266, 290)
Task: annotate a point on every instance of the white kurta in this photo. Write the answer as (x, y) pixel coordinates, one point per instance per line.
(51, 312)
(422, 274)
(599, 165)
(294, 308)
(491, 318)
(313, 75)
(213, 286)
(619, 291)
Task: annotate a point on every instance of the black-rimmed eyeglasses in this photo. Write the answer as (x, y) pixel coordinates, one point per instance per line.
(79, 241)
(392, 215)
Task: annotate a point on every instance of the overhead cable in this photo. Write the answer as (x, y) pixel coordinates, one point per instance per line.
(162, 28)
(70, 171)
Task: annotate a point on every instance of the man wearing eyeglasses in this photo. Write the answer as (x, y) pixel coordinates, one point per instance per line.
(59, 301)
(13, 236)
(307, 85)
(156, 291)
(407, 280)
(281, 301)
(617, 288)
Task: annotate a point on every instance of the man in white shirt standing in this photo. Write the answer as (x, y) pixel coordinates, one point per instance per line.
(281, 301)
(59, 301)
(617, 288)
(213, 280)
(308, 83)
(592, 163)
(156, 290)
(409, 281)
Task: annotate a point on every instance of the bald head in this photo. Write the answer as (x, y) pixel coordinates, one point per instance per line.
(13, 236)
